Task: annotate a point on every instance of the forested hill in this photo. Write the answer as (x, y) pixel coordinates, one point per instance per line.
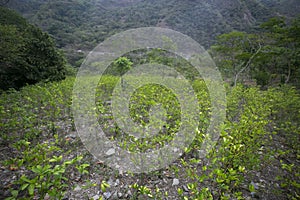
(79, 25)
(27, 55)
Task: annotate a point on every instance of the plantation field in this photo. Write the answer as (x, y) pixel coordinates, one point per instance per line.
(256, 156)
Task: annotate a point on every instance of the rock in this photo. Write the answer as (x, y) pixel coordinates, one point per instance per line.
(117, 182)
(175, 182)
(96, 197)
(5, 193)
(77, 178)
(115, 195)
(78, 188)
(156, 182)
(120, 194)
(254, 195)
(108, 102)
(107, 195)
(254, 185)
(110, 152)
(185, 188)
(47, 197)
(110, 182)
(71, 136)
(128, 194)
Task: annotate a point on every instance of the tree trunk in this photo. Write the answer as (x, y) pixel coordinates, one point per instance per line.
(246, 66)
(289, 74)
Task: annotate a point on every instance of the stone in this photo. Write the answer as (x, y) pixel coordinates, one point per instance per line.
(77, 188)
(107, 195)
(175, 182)
(96, 197)
(185, 188)
(110, 152)
(117, 182)
(128, 194)
(120, 194)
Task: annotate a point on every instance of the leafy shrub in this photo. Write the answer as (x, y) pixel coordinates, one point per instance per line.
(27, 55)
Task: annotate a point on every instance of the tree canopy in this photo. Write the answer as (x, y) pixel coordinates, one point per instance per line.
(270, 56)
(27, 55)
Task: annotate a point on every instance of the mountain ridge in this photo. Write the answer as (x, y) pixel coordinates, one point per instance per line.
(79, 25)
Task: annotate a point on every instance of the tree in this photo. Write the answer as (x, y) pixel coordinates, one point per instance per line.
(234, 53)
(271, 56)
(281, 52)
(27, 55)
(11, 56)
(123, 64)
(46, 61)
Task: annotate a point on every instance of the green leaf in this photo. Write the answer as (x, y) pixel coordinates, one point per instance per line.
(24, 186)
(251, 188)
(31, 189)
(24, 178)
(56, 159)
(179, 191)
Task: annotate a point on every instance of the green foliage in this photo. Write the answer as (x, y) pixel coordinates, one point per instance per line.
(27, 55)
(286, 117)
(28, 116)
(34, 110)
(81, 25)
(142, 191)
(241, 147)
(270, 56)
(123, 64)
(234, 53)
(141, 103)
(280, 55)
(104, 185)
(241, 150)
(9, 17)
(47, 172)
(246, 145)
(256, 120)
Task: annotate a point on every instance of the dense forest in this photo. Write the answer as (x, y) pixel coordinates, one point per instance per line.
(255, 45)
(78, 26)
(27, 54)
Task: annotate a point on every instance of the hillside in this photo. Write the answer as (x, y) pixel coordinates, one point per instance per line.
(27, 55)
(288, 8)
(78, 25)
(154, 124)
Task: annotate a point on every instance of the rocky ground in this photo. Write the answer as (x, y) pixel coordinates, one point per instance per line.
(120, 184)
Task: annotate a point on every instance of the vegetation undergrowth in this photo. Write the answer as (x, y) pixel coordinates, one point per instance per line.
(261, 127)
